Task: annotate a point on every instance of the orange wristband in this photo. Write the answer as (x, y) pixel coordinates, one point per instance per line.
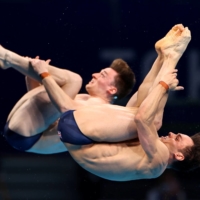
(164, 85)
(44, 75)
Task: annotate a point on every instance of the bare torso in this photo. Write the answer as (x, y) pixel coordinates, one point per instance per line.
(120, 161)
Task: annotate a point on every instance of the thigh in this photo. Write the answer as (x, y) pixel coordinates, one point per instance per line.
(49, 143)
(33, 113)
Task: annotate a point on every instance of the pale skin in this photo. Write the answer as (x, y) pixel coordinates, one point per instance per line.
(37, 99)
(85, 115)
(34, 113)
(142, 158)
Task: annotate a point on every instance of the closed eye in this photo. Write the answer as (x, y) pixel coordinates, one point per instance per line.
(102, 74)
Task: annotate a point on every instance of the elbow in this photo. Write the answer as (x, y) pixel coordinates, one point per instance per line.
(158, 123)
(79, 78)
(70, 77)
(139, 118)
(62, 110)
(66, 107)
(76, 78)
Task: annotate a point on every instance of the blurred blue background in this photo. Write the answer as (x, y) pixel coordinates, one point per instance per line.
(85, 36)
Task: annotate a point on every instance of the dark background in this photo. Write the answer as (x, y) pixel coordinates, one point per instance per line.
(85, 36)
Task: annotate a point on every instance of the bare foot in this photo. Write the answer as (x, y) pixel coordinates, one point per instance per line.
(3, 61)
(175, 28)
(182, 43)
(175, 42)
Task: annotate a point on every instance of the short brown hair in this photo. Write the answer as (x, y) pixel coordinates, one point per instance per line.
(192, 156)
(125, 80)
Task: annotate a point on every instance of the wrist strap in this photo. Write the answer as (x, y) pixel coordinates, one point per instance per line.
(44, 75)
(164, 85)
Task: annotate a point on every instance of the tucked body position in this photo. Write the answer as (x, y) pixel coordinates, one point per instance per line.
(32, 123)
(122, 143)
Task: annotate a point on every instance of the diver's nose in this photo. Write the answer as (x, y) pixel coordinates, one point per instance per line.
(170, 134)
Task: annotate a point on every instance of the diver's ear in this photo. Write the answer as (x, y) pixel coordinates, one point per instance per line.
(112, 90)
(179, 156)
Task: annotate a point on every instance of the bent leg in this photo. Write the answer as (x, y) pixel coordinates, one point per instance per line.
(69, 82)
(34, 112)
(175, 55)
(28, 124)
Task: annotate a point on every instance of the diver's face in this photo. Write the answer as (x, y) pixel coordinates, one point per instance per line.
(102, 81)
(176, 142)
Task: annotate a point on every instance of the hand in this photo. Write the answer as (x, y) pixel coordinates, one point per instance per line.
(47, 61)
(171, 80)
(39, 66)
(37, 57)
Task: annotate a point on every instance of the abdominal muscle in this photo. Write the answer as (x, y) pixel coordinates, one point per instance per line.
(114, 161)
(107, 123)
(123, 161)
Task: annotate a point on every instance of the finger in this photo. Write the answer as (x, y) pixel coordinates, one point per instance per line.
(177, 81)
(175, 70)
(172, 71)
(178, 88)
(37, 57)
(34, 61)
(48, 61)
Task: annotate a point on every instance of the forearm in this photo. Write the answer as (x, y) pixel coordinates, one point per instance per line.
(160, 111)
(168, 65)
(149, 107)
(31, 83)
(144, 120)
(60, 99)
(63, 76)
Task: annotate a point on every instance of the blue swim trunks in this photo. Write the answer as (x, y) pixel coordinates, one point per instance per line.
(69, 131)
(19, 142)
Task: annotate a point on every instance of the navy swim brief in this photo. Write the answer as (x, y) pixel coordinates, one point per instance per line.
(69, 131)
(18, 141)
